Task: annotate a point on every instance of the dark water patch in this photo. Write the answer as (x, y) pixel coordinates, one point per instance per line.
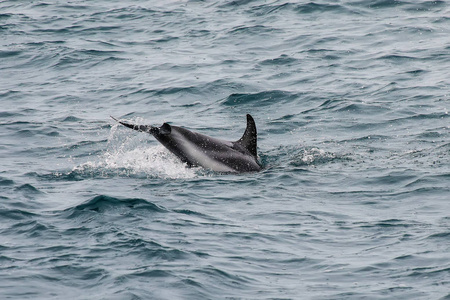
(147, 250)
(390, 224)
(281, 60)
(397, 58)
(45, 43)
(157, 253)
(440, 235)
(328, 104)
(127, 11)
(8, 114)
(176, 90)
(426, 6)
(189, 212)
(423, 182)
(431, 193)
(111, 59)
(431, 135)
(260, 99)
(28, 133)
(6, 181)
(52, 133)
(379, 4)
(313, 7)
(199, 33)
(287, 122)
(15, 214)
(20, 124)
(9, 54)
(305, 8)
(27, 189)
(30, 228)
(164, 254)
(4, 16)
(268, 9)
(8, 94)
(236, 3)
(103, 203)
(252, 30)
(362, 108)
(150, 274)
(101, 29)
(401, 179)
(73, 273)
(419, 117)
(165, 39)
(219, 275)
(69, 119)
(25, 133)
(426, 272)
(83, 144)
(69, 61)
(73, 7)
(373, 138)
(58, 31)
(74, 175)
(94, 52)
(417, 72)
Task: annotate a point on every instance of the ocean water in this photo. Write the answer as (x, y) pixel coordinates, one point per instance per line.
(350, 98)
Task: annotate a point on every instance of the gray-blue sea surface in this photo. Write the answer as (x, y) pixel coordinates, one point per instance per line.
(350, 98)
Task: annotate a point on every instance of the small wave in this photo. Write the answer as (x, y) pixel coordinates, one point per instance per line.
(380, 3)
(69, 119)
(9, 54)
(221, 275)
(312, 7)
(15, 214)
(361, 108)
(94, 52)
(6, 181)
(10, 94)
(27, 189)
(440, 235)
(261, 98)
(256, 29)
(425, 6)
(396, 58)
(281, 60)
(433, 271)
(390, 223)
(102, 203)
(30, 228)
(305, 8)
(4, 16)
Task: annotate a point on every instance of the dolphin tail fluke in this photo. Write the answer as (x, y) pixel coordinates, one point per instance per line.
(141, 128)
(248, 140)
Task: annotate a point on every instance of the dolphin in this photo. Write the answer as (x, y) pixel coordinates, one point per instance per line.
(196, 149)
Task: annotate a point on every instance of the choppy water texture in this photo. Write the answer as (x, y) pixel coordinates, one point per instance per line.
(351, 101)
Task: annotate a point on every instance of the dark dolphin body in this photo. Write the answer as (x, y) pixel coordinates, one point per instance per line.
(197, 149)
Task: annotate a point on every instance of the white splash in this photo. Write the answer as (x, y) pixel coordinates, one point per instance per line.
(128, 153)
(309, 156)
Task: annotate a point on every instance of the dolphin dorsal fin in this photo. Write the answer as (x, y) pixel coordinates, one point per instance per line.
(248, 140)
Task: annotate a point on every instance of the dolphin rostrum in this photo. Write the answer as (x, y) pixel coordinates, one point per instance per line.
(196, 149)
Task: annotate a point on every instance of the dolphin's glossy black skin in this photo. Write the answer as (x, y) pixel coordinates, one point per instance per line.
(196, 149)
